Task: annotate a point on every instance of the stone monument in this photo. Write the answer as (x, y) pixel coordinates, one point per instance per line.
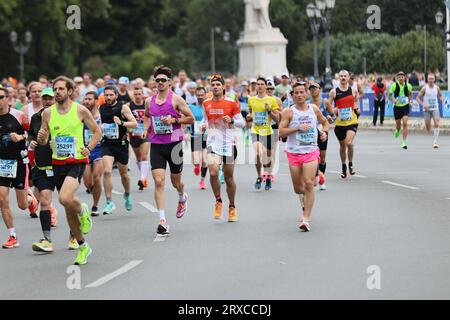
(262, 48)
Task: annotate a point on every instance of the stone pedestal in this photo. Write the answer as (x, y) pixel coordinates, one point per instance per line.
(262, 52)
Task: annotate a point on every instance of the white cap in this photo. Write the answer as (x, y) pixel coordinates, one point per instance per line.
(285, 74)
(244, 83)
(253, 80)
(78, 79)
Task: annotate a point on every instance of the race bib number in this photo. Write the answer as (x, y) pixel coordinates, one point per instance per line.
(346, 114)
(159, 127)
(432, 104)
(8, 168)
(139, 131)
(222, 149)
(65, 147)
(306, 138)
(260, 118)
(88, 136)
(110, 130)
(49, 173)
(402, 100)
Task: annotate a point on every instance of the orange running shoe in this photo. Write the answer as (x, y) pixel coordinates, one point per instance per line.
(53, 214)
(11, 243)
(33, 207)
(218, 210)
(232, 217)
(145, 183)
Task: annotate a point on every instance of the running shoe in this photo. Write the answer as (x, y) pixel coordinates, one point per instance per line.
(218, 210)
(53, 214)
(265, 175)
(344, 171)
(128, 202)
(33, 207)
(305, 226)
(94, 211)
(202, 185)
(84, 251)
(182, 207)
(141, 185)
(268, 184)
(197, 169)
(73, 244)
(232, 216)
(397, 133)
(351, 170)
(163, 228)
(145, 183)
(221, 177)
(109, 207)
(272, 177)
(322, 187)
(42, 246)
(258, 183)
(321, 178)
(11, 243)
(404, 145)
(85, 219)
(435, 146)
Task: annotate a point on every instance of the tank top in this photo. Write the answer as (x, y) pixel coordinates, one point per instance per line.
(430, 98)
(345, 102)
(112, 132)
(124, 98)
(302, 142)
(159, 132)
(88, 134)
(138, 112)
(66, 131)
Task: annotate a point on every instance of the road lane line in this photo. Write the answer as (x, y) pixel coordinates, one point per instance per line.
(160, 238)
(148, 206)
(400, 185)
(114, 274)
(356, 175)
(403, 172)
(117, 192)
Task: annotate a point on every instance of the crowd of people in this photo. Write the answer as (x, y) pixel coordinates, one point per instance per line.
(56, 134)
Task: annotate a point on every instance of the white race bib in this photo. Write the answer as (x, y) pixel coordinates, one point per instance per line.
(306, 138)
(88, 136)
(49, 173)
(139, 131)
(402, 100)
(65, 147)
(432, 104)
(110, 131)
(222, 149)
(346, 114)
(260, 118)
(198, 127)
(159, 127)
(8, 168)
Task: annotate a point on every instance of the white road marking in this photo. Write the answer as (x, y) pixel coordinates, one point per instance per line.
(400, 185)
(117, 192)
(356, 175)
(148, 206)
(114, 274)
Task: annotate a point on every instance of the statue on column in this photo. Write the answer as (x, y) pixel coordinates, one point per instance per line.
(257, 14)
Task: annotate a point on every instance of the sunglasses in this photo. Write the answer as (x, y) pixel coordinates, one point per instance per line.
(270, 88)
(161, 80)
(2, 97)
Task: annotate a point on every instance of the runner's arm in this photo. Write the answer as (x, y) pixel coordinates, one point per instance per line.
(43, 134)
(355, 94)
(88, 119)
(440, 96)
(420, 95)
(182, 107)
(239, 121)
(127, 114)
(147, 122)
(360, 90)
(321, 119)
(286, 117)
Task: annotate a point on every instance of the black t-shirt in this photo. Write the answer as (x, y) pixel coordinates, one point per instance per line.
(124, 98)
(107, 114)
(43, 154)
(10, 150)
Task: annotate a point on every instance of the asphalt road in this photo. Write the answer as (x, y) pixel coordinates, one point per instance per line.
(391, 220)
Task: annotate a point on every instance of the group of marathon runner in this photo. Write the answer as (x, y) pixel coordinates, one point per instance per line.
(55, 142)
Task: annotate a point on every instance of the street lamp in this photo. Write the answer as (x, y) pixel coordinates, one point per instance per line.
(313, 14)
(21, 49)
(439, 20)
(226, 38)
(325, 7)
(424, 27)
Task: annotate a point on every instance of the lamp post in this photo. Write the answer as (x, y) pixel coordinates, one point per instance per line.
(21, 49)
(313, 14)
(439, 20)
(325, 7)
(226, 38)
(424, 27)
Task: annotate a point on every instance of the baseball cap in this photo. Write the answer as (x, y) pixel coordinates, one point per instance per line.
(111, 81)
(47, 92)
(244, 83)
(77, 79)
(124, 80)
(270, 84)
(253, 80)
(285, 75)
(314, 85)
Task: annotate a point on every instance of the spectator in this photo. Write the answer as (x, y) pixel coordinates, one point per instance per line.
(379, 89)
(87, 85)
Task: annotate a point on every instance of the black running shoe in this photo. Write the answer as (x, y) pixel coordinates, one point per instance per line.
(258, 183)
(268, 184)
(94, 211)
(163, 229)
(141, 185)
(350, 169)
(344, 171)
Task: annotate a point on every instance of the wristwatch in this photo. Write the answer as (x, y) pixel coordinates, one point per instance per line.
(87, 147)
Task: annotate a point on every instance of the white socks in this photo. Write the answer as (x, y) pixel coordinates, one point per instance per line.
(436, 134)
(144, 167)
(162, 215)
